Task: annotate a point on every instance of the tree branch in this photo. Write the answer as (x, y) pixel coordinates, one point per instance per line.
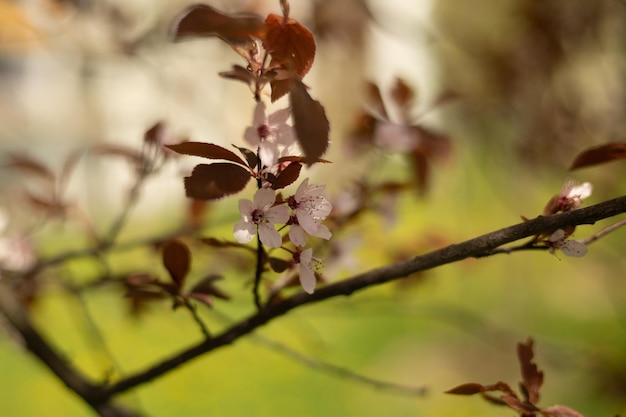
(477, 247)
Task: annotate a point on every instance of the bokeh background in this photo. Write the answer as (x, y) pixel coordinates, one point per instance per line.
(528, 84)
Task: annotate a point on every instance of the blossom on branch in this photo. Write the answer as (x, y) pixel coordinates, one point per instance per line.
(310, 209)
(306, 270)
(267, 133)
(261, 215)
(558, 240)
(571, 197)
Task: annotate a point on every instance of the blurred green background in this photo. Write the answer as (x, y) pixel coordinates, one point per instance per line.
(535, 83)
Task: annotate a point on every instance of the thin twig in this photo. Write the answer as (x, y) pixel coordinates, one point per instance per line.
(604, 232)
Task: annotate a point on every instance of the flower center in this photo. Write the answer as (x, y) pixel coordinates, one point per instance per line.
(257, 216)
(263, 131)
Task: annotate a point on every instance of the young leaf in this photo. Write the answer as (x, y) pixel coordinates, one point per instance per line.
(203, 20)
(176, 259)
(155, 134)
(206, 150)
(239, 73)
(206, 288)
(310, 122)
(287, 176)
(250, 156)
(28, 165)
(291, 46)
(214, 181)
(599, 155)
(531, 375)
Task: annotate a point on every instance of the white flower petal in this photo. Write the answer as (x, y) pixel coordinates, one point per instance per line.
(279, 117)
(244, 231)
(245, 208)
(581, 191)
(268, 152)
(573, 248)
(251, 135)
(278, 214)
(264, 198)
(322, 232)
(307, 275)
(260, 116)
(297, 235)
(269, 236)
(556, 236)
(306, 221)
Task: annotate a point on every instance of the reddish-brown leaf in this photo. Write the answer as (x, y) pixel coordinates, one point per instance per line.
(287, 176)
(214, 181)
(467, 389)
(310, 122)
(376, 100)
(531, 375)
(599, 155)
(203, 20)
(177, 260)
(278, 265)
(522, 407)
(49, 205)
(206, 287)
(196, 212)
(291, 45)
(292, 48)
(560, 411)
(134, 156)
(206, 150)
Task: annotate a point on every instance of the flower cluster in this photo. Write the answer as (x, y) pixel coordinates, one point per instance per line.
(302, 212)
(270, 134)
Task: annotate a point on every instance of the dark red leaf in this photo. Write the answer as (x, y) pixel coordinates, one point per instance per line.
(177, 260)
(599, 155)
(292, 158)
(310, 122)
(522, 407)
(531, 375)
(203, 20)
(207, 287)
(196, 212)
(287, 176)
(467, 389)
(206, 150)
(218, 243)
(250, 156)
(214, 181)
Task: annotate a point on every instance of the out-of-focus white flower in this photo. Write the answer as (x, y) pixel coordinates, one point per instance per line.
(558, 240)
(16, 251)
(261, 215)
(310, 208)
(267, 133)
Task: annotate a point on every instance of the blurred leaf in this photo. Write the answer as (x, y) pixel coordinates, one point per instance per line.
(402, 94)
(524, 408)
(206, 288)
(599, 155)
(561, 411)
(214, 181)
(470, 388)
(376, 100)
(287, 176)
(155, 134)
(177, 260)
(50, 206)
(30, 166)
(206, 150)
(239, 73)
(310, 122)
(202, 20)
(278, 265)
(195, 212)
(531, 375)
(132, 155)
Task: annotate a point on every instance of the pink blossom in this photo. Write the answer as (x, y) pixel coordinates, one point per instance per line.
(571, 197)
(261, 215)
(574, 248)
(267, 133)
(311, 208)
(306, 270)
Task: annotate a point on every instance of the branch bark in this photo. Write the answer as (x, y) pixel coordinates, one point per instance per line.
(478, 247)
(99, 397)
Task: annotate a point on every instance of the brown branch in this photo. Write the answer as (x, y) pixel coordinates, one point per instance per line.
(477, 247)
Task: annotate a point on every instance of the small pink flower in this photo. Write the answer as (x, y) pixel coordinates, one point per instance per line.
(311, 208)
(571, 197)
(261, 215)
(558, 240)
(306, 271)
(267, 133)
